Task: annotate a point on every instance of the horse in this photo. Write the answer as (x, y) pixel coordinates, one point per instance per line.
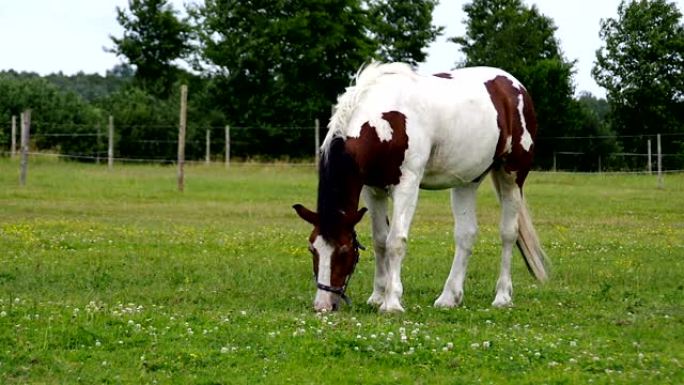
(395, 131)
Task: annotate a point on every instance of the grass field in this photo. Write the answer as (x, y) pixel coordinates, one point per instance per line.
(114, 277)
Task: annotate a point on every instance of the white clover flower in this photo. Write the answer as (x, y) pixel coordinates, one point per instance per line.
(224, 350)
(3, 313)
(486, 344)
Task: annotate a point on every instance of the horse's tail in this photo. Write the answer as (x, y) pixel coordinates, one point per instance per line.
(528, 243)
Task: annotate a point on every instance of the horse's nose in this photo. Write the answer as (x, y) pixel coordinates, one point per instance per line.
(326, 301)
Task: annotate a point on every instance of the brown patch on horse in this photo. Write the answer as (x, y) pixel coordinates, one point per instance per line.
(443, 75)
(380, 161)
(504, 95)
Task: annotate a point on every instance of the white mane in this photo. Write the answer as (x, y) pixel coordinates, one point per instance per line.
(365, 78)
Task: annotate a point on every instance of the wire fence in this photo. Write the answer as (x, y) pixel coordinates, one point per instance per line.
(89, 143)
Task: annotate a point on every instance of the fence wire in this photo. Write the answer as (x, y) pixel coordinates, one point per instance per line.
(94, 139)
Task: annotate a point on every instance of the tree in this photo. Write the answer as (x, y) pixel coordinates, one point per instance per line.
(283, 63)
(280, 63)
(53, 111)
(509, 35)
(642, 68)
(403, 28)
(154, 37)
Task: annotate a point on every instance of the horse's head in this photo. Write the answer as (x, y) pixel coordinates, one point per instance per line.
(335, 254)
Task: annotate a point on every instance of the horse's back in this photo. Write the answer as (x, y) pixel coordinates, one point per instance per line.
(456, 123)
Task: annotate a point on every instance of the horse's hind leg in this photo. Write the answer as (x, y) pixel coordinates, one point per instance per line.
(511, 200)
(376, 200)
(465, 231)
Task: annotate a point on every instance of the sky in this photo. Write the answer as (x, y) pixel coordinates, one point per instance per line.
(47, 36)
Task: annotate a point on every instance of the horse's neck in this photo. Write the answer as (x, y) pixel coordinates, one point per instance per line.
(341, 192)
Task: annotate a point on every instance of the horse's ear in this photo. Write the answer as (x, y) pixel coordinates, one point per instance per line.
(306, 214)
(355, 218)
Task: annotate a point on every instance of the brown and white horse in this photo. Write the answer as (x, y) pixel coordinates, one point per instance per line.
(394, 132)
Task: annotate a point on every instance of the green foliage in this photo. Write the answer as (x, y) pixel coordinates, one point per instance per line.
(284, 63)
(52, 111)
(281, 63)
(390, 21)
(642, 68)
(154, 37)
(92, 87)
(519, 39)
(114, 277)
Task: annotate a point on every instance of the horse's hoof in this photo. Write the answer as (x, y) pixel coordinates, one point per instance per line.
(502, 301)
(375, 300)
(448, 301)
(391, 307)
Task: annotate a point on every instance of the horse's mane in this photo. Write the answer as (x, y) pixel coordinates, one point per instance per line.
(337, 166)
(333, 190)
(365, 78)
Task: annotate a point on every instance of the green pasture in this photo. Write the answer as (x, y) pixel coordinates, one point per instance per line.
(115, 277)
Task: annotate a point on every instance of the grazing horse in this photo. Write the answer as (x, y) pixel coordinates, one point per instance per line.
(394, 132)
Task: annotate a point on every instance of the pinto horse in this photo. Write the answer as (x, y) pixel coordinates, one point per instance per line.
(394, 132)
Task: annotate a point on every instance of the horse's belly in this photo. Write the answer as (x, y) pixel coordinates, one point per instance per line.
(462, 156)
(442, 173)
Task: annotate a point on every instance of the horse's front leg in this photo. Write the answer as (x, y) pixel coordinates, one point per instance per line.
(404, 200)
(376, 200)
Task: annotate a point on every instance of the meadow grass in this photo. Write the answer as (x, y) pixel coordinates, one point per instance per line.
(115, 277)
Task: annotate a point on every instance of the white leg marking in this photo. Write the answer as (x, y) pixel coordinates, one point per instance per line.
(526, 138)
(511, 199)
(463, 203)
(376, 200)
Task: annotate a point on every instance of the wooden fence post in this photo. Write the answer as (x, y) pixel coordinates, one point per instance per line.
(181, 137)
(317, 139)
(98, 144)
(25, 132)
(13, 145)
(649, 165)
(227, 154)
(110, 144)
(207, 155)
(661, 183)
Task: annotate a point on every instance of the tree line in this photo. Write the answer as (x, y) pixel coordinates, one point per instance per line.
(269, 65)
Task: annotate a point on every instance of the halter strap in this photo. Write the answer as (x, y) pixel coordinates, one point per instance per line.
(335, 290)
